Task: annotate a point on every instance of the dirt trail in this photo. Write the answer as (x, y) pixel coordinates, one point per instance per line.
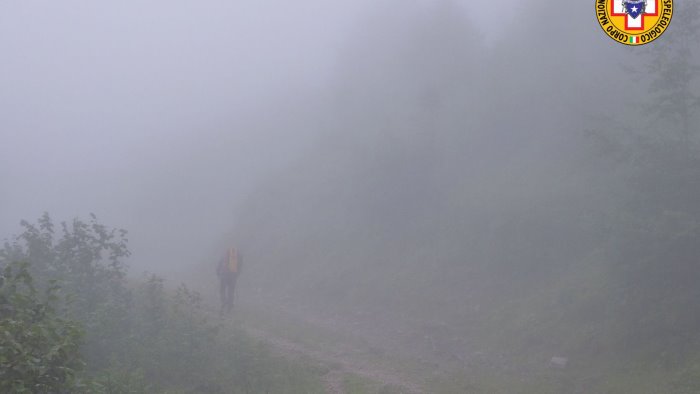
(333, 381)
(339, 363)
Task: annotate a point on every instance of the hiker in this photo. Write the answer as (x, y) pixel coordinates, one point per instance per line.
(227, 270)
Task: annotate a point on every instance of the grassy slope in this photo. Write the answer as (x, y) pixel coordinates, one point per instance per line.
(573, 317)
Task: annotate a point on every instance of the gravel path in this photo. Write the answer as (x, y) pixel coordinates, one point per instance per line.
(338, 365)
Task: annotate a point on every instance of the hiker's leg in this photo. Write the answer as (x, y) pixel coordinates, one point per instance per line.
(222, 292)
(231, 291)
(229, 295)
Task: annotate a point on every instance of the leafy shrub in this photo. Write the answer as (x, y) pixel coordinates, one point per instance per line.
(135, 337)
(39, 351)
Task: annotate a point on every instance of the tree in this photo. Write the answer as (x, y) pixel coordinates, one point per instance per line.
(87, 260)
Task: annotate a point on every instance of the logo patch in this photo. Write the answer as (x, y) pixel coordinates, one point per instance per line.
(634, 22)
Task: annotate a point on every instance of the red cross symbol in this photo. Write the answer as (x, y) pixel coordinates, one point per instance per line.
(652, 9)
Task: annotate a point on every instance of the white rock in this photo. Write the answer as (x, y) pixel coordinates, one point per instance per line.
(559, 362)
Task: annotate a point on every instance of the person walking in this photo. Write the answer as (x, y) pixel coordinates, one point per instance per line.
(227, 270)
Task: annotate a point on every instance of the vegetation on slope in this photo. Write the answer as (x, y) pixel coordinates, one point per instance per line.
(71, 322)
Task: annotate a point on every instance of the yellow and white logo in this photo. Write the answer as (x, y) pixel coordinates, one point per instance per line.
(634, 22)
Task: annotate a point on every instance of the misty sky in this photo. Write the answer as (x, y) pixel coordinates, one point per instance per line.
(158, 115)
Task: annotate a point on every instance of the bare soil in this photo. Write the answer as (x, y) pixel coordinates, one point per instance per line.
(339, 363)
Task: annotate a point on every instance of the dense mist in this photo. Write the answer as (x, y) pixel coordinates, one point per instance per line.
(121, 109)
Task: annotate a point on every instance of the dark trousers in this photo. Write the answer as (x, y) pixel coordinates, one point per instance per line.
(226, 291)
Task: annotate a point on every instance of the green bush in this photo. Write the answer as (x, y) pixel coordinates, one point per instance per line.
(134, 337)
(39, 351)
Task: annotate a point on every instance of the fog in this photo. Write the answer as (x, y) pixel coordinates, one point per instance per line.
(435, 175)
(116, 109)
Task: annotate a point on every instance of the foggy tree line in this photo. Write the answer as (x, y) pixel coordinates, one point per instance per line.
(456, 178)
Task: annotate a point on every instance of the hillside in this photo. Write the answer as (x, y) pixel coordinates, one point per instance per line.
(458, 206)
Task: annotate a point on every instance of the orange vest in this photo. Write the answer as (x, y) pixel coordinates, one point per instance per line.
(232, 260)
